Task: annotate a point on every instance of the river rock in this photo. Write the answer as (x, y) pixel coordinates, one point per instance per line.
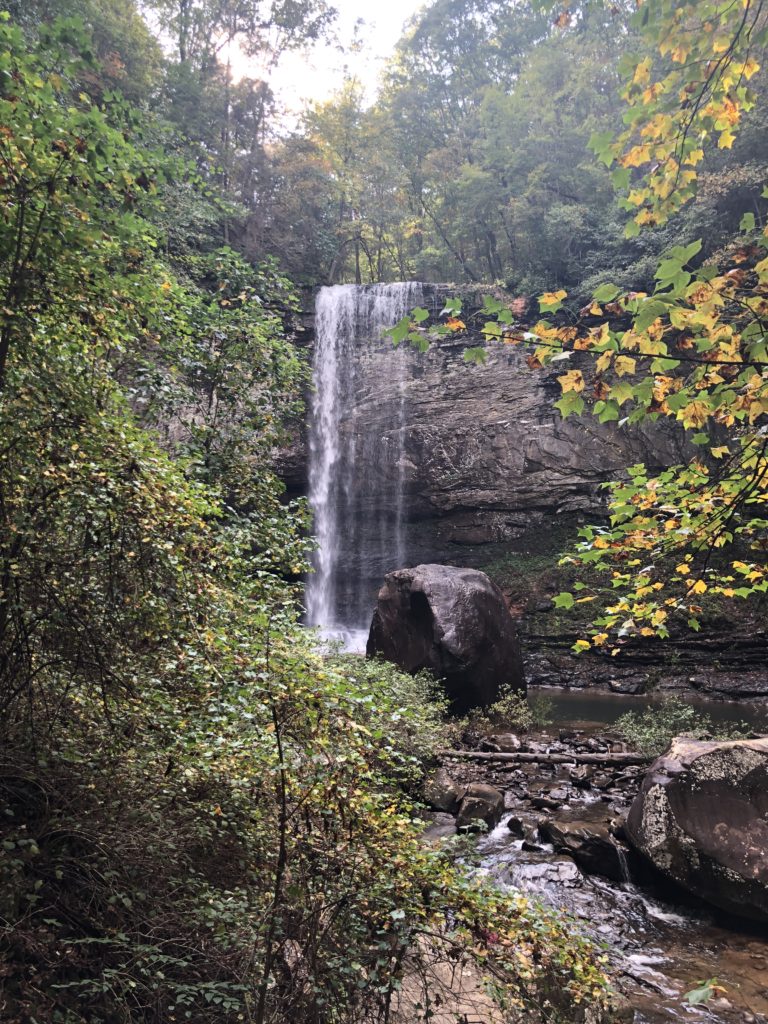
(453, 622)
(701, 818)
(440, 826)
(581, 776)
(502, 742)
(542, 871)
(586, 836)
(516, 827)
(442, 792)
(480, 803)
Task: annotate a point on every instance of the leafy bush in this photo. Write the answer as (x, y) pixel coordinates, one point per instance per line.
(513, 710)
(651, 730)
(406, 715)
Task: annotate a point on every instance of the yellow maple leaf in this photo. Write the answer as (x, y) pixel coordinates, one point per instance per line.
(695, 414)
(636, 156)
(550, 298)
(603, 361)
(699, 587)
(751, 67)
(683, 569)
(726, 140)
(624, 365)
(573, 380)
(642, 74)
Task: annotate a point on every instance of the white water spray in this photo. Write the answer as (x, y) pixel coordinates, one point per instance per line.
(356, 461)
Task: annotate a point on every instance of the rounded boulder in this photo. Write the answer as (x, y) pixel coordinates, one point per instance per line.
(701, 817)
(453, 622)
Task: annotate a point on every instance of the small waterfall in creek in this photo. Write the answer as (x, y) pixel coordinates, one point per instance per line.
(356, 451)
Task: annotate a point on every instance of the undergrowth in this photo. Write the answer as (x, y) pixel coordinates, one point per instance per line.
(651, 730)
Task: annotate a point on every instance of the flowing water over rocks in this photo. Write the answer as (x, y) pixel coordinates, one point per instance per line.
(660, 941)
(356, 465)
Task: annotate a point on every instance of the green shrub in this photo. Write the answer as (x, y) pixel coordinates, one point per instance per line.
(651, 730)
(513, 711)
(406, 715)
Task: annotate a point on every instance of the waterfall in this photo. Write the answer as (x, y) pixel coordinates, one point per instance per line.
(356, 450)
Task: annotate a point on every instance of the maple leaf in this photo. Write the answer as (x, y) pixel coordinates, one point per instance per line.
(551, 298)
(573, 380)
(624, 365)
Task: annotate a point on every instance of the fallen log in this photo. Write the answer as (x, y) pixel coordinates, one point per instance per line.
(525, 758)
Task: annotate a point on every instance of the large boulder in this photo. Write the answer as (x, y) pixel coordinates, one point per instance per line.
(701, 818)
(453, 622)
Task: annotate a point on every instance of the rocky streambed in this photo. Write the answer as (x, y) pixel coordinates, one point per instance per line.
(557, 831)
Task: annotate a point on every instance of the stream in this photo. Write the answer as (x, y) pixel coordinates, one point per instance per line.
(661, 941)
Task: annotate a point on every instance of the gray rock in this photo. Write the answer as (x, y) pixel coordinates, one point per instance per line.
(544, 803)
(441, 826)
(502, 742)
(542, 871)
(442, 792)
(701, 817)
(581, 776)
(480, 803)
(453, 622)
(585, 834)
(516, 827)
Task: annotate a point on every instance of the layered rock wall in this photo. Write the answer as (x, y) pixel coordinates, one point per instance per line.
(486, 453)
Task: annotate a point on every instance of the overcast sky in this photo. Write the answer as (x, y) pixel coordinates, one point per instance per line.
(301, 79)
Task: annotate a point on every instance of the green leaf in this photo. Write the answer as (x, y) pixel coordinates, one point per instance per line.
(702, 994)
(491, 305)
(650, 309)
(605, 293)
(570, 404)
(399, 332)
(621, 178)
(564, 600)
(491, 329)
(600, 144)
(747, 222)
(419, 315)
(475, 355)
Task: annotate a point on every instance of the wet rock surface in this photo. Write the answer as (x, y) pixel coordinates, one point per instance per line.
(660, 941)
(701, 817)
(442, 792)
(588, 835)
(481, 803)
(453, 622)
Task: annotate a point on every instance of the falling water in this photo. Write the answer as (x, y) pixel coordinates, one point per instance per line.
(356, 450)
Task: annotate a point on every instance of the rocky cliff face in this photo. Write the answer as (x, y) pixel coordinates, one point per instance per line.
(485, 454)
